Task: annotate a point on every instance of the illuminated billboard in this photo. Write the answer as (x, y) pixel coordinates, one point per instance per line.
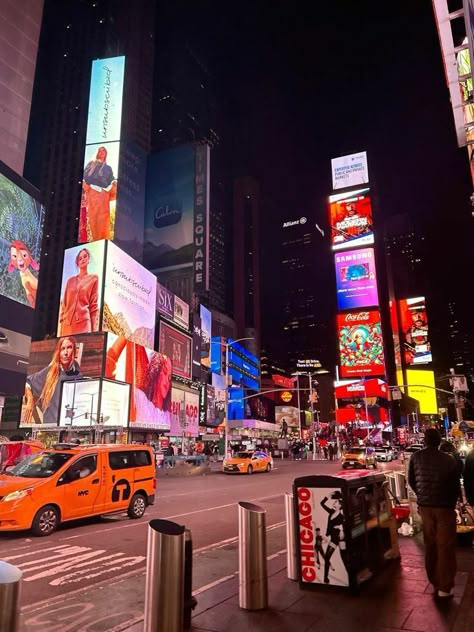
(88, 403)
(414, 329)
(349, 171)
(177, 213)
(53, 362)
(184, 413)
(244, 367)
(102, 153)
(350, 218)
(129, 298)
(181, 313)
(356, 279)
(206, 323)
(421, 386)
(164, 301)
(176, 346)
(149, 374)
(360, 343)
(81, 289)
(21, 231)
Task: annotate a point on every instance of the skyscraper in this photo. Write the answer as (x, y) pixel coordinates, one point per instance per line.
(72, 35)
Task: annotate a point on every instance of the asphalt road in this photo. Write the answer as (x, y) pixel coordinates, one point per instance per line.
(99, 553)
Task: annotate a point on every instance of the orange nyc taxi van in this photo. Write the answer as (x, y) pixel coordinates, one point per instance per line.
(69, 481)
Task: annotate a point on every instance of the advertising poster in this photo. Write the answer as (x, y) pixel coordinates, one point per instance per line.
(169, 209)
(80, 403)
(21, 231)
(104, 118)
(129, 298)
(188, 423)
(286, 418)
(349, 171)
(350, 218)
(206, 325)
(149, 374)
(360, 343)
(164, 301)
(322, 540)
(215, 407)
(415, 333)
(395, 324)
(181, 313)
(176, 346)
(55, 361)
(81, 289)
(421, 386)
(196, 352)
(356, 280)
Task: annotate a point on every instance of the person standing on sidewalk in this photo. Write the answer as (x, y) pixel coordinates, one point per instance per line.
(433, 476)
(469, 477)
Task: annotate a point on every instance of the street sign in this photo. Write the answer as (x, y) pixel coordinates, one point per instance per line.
(396, 393)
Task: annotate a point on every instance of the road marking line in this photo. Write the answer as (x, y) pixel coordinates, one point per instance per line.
(72, 550)
(222, 543)
(277, 554)
(53, 548)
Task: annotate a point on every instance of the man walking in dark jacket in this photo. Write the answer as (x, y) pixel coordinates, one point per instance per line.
(434, 478)
(469, 478)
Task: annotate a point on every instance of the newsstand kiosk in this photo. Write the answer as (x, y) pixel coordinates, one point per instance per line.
(344, 529)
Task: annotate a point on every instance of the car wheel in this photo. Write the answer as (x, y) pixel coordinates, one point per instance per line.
(250, 470)
(46, 521)
(268, 468)
(137, 506)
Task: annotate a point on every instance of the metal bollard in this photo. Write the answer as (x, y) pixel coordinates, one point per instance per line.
(291, 565)
(253, 585)
(10, 578)
(164, 590)
(190, 602)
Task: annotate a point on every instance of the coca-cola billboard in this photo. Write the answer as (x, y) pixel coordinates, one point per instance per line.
(360, 343)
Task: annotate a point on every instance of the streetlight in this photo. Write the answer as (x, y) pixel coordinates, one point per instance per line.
(226, 378)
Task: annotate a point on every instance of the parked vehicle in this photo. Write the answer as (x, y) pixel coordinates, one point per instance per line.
(247, 462)
(384, 454)
(359, 458)
(71, 481)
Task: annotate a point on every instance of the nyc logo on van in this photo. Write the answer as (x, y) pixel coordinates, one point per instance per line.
(83, 492)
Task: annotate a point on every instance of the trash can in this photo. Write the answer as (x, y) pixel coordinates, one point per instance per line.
(345, 531)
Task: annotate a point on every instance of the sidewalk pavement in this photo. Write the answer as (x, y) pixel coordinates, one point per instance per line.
(400, 598)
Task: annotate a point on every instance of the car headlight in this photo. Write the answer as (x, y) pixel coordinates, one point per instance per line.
(20, 493)
(242, 464)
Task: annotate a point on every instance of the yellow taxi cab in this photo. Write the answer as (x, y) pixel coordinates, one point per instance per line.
(359, 457)
(67, 482)
(248, 462)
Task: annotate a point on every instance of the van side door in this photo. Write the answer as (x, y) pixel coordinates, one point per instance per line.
(80, 486)
(119, 467)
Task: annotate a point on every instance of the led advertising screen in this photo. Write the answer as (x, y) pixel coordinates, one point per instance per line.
(81, 289)
(181, 313)
(349, 171)
(164, 301)
(176, 346)
(244, 367)
(52, 362)
(102, 154)
(129, 298)
(169, 209)
(92, 402)
(356, 280)
(421, 386)
(149, 374)
(360, 343)
(350, 218)
(415, 333)
(206, 325)
(21, 231)
(184, 413)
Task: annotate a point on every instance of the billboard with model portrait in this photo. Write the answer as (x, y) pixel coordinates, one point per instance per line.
(186, 402)
(129, 298)
(176, 346)
(350, 218)
(52, 362)
(86, 403)
(149, 374)
(169, 209)
(101, 164)
(360, 343)
(81, 289)
(349, 171)
(414, 331)
(356, 279)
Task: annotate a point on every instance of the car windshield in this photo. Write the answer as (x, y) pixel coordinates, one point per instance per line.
(356, 451)
(40, 465)
(244, 455)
